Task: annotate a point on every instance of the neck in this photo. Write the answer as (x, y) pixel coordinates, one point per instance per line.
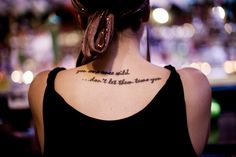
(124, 51)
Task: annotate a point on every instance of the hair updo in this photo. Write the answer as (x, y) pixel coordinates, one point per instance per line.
(128, 13)
(101, 18)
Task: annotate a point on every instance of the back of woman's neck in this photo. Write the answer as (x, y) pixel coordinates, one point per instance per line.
(122, 53)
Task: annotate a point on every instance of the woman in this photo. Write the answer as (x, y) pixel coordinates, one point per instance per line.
(114, 102)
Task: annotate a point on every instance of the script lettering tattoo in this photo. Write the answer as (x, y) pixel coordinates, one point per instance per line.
(122, 72)
(116, 81)
(123, 81)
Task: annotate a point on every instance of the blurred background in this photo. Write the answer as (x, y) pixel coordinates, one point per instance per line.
(40, 34)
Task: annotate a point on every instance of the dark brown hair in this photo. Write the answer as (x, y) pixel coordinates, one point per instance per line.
(100, 19)
(128, 13)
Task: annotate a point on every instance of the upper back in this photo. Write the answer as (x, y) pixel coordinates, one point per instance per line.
(117, 96)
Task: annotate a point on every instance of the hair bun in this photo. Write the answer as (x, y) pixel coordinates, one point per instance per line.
(101, 18)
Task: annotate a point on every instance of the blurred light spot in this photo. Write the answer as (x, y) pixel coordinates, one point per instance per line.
(72, 39)
(215, 109)
(189, 30)
(206, 68)
(166, 32)
(54, 19)
(196, 66)
(160, 15)
(16, 76)
(228, 28)
(218, 12)
(69, 39)
(28, 77)
(229, 67)
(179, 31)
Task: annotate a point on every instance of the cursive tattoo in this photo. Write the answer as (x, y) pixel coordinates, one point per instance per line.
(116, 81)
(122, 81)
(122, 72)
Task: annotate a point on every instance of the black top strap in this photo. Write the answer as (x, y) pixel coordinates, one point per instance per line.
(52, 75)
(170, 67)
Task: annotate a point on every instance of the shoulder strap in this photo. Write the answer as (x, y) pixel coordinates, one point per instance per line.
(52, 75)
(175, 75)
(177, 82)
(179, 108)
(171, 68)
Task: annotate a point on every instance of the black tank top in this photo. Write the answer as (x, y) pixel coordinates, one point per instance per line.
(160, 129)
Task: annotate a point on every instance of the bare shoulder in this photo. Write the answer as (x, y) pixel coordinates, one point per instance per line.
(35, 97)
(40, 78)
(197, 93)
(195, 83)
(36, 91)
(38, 86)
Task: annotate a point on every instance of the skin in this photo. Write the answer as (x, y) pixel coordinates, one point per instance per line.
(110, 103)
